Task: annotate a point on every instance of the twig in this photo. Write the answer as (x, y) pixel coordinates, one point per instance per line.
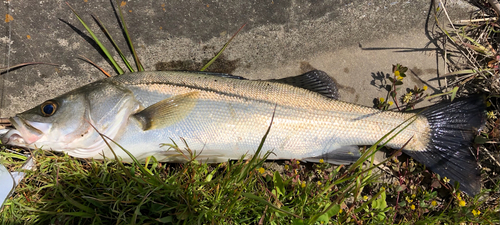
(95, 65)
(4, 123)
(465, 22)
(445, 63)
(491, 156)
(495, 5)
(4, 120)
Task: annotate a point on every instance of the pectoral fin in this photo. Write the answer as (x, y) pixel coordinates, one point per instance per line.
(340, 156)
(167, 112)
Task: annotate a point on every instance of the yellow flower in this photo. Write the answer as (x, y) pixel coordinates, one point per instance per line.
(408, 96)
(446, 180)
(461, 203)
(399, 77)
(303, 184)
(491, 115)
(365, 198)
(390, 103)
(319, 183)
(434, 203)
(409, 200)
(287, 167)
(458, 196)
(262, 170)
(395, 160)
(340, 211)
(413, 196)
(424, 88)
(298, 162)
(396, 73)
(381, 99)
(321, 161)
(412, 207)
(476, 213)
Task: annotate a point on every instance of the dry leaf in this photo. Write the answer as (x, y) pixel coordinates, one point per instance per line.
(8, 18)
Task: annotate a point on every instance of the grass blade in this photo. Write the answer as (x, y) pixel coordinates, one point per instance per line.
(5, 69)
(85, 208)
(222, 50)
(101, 46)
(255, 197)
(114, 43)
(374, 147)
(454, 93)
(129, 41)
(259, 149)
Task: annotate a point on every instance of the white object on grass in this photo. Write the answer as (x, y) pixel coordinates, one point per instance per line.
(9, 181)
(7, 184)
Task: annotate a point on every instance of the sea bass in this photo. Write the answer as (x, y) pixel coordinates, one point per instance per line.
(223, 117)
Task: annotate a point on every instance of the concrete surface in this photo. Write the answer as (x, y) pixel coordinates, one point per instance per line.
(353, 41)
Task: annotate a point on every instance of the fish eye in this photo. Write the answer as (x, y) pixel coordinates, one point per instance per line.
(48, 108)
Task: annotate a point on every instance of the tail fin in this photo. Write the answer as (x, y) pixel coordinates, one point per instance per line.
(453, 128)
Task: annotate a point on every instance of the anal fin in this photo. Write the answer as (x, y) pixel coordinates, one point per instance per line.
(344, 155)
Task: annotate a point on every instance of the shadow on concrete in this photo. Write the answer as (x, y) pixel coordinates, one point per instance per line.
(436, 38)
(380, 77)
(87, 39)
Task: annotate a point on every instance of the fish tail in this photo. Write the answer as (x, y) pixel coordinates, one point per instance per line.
(454, 126)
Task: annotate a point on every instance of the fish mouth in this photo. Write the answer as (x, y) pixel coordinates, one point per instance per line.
(13, 137)
(25, 133)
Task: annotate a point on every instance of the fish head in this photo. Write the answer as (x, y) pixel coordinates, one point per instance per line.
(73, 122)
(50, 121)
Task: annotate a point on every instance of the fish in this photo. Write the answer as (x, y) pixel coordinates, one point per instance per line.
(224, 117)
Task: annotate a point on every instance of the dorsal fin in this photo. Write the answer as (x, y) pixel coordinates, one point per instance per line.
(315, 81)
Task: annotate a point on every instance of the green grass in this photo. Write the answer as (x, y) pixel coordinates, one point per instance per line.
(66, 190)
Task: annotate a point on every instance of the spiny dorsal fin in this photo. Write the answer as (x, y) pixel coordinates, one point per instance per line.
(167, 112)
(315, 81)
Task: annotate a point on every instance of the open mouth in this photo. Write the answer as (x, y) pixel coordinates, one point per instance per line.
(13, 137)
(24, 132)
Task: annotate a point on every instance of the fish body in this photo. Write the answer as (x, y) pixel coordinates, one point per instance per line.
(222, 117)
